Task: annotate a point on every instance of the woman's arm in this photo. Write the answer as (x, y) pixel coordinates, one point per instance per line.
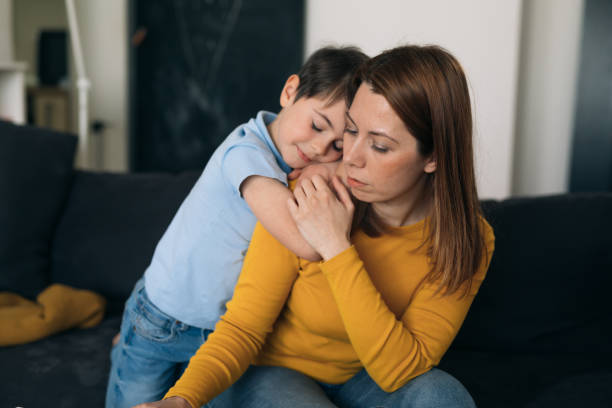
(392, 350)
(267, 277)
(395, 350)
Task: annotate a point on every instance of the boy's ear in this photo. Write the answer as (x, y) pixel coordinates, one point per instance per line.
(289, 90)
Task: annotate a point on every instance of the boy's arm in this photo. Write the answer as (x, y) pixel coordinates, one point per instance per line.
(267, 198)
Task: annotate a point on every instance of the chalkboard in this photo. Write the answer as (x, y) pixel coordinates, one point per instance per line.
(199, 68)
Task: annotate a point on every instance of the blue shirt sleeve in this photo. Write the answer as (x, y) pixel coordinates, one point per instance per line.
(244, 160)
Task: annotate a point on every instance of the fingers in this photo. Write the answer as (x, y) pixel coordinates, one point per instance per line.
(305, 191)
(308, 187)
(319, 183)
(294, 174)
(342, 193)
(170, 402)
(311, 191)
(299, 194)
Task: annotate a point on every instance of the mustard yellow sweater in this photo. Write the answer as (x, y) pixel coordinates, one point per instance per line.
(366, 307)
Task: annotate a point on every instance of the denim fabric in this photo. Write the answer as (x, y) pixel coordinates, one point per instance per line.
(434, 388)
(152, 353)
(279, 387)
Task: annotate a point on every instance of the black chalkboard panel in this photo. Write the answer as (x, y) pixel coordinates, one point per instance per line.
(199, 68)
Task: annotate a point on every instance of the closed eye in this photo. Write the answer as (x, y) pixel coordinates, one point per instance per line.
(315, 128)
(380, 149)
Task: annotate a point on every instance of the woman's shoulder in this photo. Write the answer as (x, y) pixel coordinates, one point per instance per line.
(487, 230)
(488, 236)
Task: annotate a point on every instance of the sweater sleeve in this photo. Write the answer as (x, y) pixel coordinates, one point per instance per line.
(393, 351)
(260, 294)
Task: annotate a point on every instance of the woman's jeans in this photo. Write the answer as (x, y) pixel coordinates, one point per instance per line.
(279, 387)
(154, 350)
(152, 353)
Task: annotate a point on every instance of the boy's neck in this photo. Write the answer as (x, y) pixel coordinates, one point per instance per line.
(273, 131)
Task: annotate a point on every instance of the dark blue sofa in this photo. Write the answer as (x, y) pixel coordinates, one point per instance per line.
(538, 334)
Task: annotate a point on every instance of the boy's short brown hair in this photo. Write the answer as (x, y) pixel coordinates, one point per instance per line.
(328, 71)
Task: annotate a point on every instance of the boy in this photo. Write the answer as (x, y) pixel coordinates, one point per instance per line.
(197, 261)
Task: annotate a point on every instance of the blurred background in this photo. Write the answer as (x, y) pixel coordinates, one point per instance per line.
(170, 79)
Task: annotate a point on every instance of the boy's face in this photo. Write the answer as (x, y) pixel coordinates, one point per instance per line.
(308, 130)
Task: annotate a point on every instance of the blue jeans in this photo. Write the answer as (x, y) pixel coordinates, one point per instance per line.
(152, 353)
(279, 387)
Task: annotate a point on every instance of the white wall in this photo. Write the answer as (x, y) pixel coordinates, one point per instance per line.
(104, 36)
(12, 74)
(103, 28)
(547, 92)
(6, 31)
(483, 34)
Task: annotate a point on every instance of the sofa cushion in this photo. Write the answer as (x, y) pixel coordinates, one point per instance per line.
(36, 168)
(68, 370)
(549, 281)
(111, 225)
(530, 380)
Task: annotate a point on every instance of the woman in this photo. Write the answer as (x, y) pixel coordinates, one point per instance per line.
(365, 326)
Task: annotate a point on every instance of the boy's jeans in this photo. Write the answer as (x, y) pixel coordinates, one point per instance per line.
(152, 352)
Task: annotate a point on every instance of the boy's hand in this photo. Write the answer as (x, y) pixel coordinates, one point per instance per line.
(294, 174)
(172, 402)
(325, 170)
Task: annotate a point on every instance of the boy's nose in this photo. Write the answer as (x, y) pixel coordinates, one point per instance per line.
(320, 146)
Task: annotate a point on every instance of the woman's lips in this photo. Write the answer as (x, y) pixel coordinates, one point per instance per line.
(354, 183)
(302, 155)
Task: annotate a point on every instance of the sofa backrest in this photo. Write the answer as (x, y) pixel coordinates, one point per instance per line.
(110, 226)
(36, 168)
(546, 289)
(549, 284)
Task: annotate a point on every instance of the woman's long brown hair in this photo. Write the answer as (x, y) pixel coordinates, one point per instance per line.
(427, 89)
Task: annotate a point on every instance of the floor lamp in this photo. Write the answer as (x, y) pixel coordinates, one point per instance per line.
(83, 85)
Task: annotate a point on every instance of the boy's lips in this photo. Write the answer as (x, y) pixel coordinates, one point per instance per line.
(303, 155)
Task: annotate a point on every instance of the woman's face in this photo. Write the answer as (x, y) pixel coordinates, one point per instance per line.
(381, 158)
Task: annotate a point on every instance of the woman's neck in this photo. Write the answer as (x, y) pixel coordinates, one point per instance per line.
(405, 210)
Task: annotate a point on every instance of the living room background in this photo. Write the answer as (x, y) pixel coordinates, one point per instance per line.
(515, 53)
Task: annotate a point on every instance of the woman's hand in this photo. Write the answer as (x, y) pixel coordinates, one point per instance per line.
(322, 217)
(172, 402)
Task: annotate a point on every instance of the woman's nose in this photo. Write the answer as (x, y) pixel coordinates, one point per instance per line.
(353, 153)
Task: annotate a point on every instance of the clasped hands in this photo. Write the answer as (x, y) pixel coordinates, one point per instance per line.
(323, 216)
